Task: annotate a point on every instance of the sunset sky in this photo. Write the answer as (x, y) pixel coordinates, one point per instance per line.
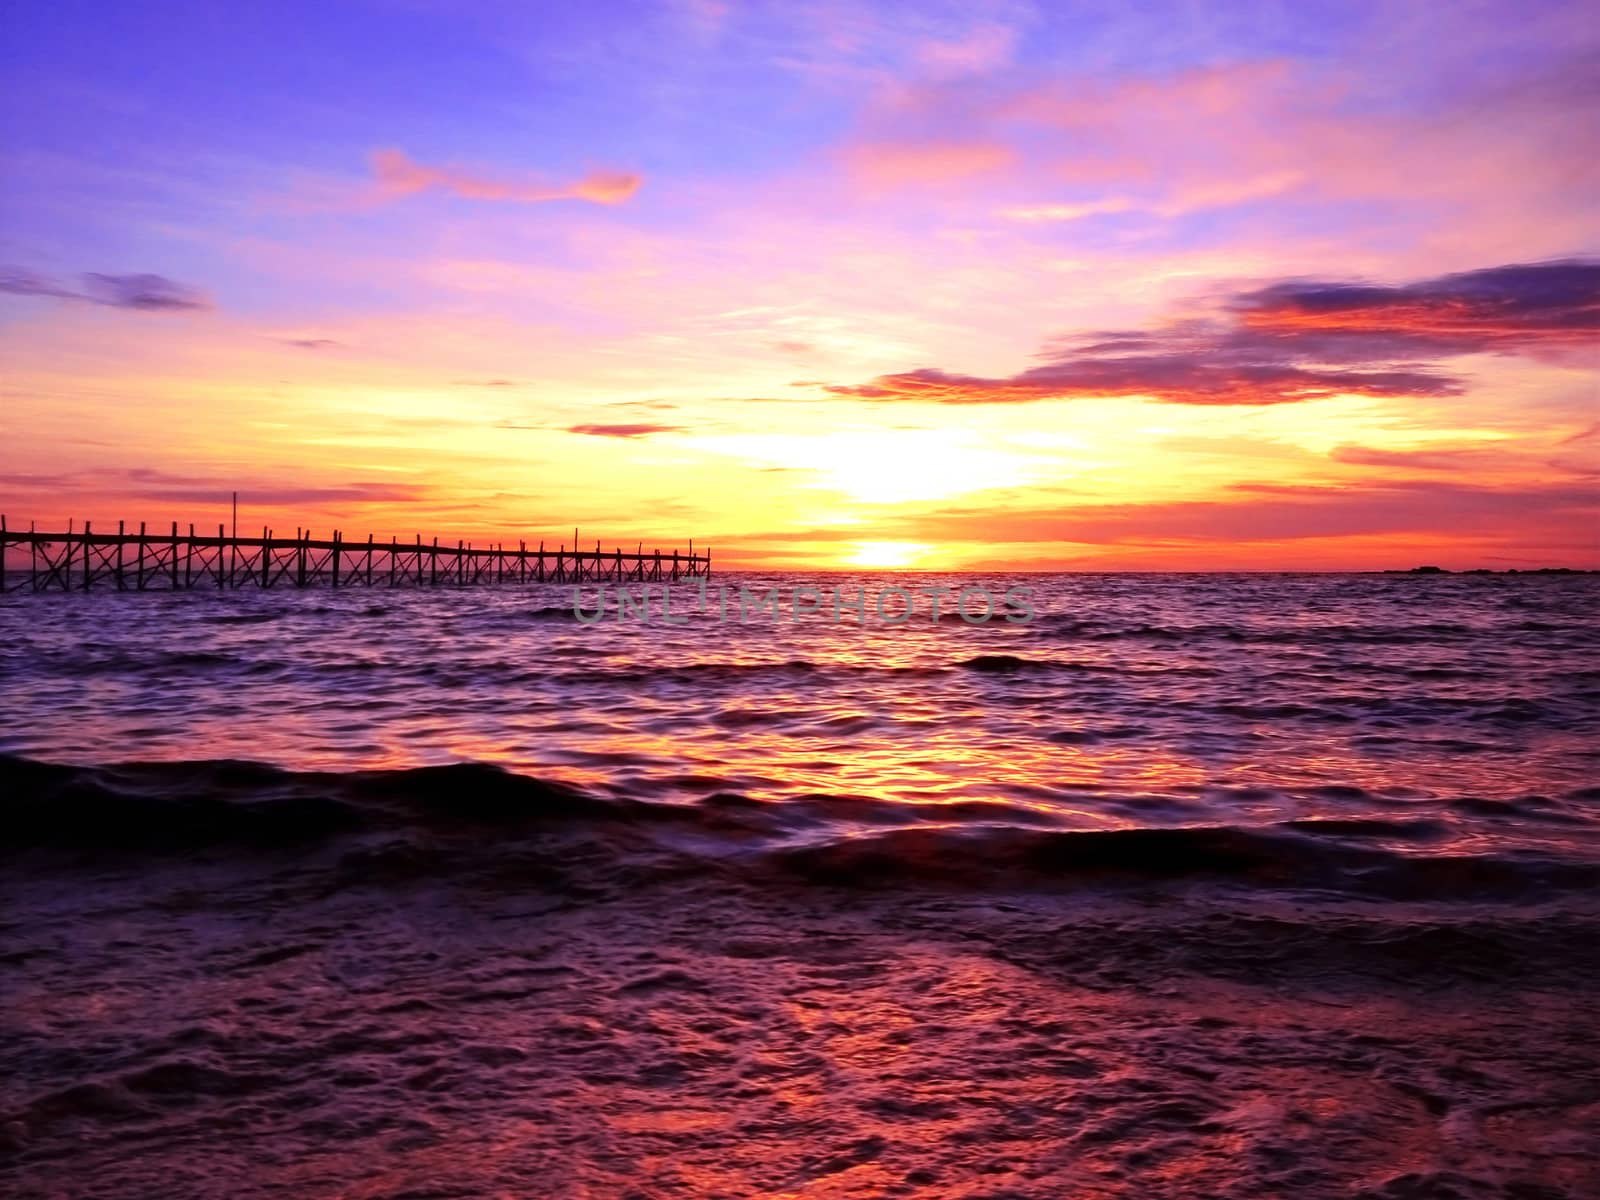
(1157, 285)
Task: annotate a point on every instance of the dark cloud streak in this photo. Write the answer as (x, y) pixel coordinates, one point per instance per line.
(622, 431)
(1297, 340)
(142, 292)
(1509, 308)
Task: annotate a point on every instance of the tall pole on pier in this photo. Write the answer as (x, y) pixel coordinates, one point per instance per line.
(233, 554)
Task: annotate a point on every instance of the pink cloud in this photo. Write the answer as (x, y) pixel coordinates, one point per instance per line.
(399, 175)
(895, 164)
(1188, 198)
(984, 48)
(1064, 148)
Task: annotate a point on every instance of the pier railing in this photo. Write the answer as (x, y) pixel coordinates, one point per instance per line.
(171, 561)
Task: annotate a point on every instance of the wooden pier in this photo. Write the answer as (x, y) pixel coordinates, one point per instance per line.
(173, 561)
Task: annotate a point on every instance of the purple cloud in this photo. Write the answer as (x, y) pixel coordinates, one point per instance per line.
(1509, 308)
(1295, 341)
(144, 292)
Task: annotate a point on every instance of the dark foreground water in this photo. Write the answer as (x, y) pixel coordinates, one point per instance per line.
(1191, 886)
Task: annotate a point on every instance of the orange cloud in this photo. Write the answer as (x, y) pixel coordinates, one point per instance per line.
(1178, 378)
(399, 175)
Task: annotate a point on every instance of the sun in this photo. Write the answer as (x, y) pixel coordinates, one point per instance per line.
(887, 554)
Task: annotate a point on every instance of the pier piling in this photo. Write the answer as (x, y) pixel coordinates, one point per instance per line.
(145, 561)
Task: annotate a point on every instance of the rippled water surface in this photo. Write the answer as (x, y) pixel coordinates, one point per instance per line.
(1128, 699)
(1257, 885)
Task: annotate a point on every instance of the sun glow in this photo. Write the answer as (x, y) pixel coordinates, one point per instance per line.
(891, 466)
(887, 554)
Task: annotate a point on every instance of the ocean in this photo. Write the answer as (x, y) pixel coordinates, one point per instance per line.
(1186, 885)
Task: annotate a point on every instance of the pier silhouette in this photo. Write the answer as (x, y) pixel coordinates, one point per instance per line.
(174, 561)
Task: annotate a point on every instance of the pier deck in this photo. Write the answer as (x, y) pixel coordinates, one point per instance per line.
(173, 561)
